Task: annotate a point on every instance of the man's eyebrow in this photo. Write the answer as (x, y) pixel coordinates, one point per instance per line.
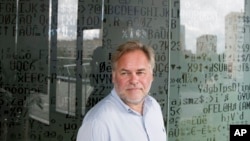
(124, 69)
(142, 69)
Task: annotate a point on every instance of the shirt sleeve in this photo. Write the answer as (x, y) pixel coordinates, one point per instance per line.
(93, 131)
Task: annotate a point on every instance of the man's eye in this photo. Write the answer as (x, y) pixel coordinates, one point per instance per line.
(140, 72)
(124, 73)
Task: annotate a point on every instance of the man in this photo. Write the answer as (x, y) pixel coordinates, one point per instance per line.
(128, 113)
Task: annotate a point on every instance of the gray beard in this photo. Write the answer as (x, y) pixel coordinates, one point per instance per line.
(134, 102)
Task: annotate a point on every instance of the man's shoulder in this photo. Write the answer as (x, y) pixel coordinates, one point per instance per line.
(152, 99)
(153, 102)
(102, 110)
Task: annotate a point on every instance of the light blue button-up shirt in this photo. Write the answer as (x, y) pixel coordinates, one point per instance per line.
(112, 120)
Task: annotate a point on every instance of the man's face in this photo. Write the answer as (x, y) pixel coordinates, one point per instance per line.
(132, 77)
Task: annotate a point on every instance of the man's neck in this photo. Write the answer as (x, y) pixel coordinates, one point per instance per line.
(137, 107)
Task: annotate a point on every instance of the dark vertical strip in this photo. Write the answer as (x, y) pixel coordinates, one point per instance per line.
(53, 55)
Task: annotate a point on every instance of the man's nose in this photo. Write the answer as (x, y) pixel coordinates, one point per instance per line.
(134, 78)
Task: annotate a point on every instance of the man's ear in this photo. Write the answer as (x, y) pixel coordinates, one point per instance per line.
(113, 76)
(152, 75)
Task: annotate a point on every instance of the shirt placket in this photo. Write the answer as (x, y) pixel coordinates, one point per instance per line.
(144, 122)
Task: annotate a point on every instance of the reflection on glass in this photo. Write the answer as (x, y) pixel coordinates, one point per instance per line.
(214, 67)
(92, 41)
(66, 56)
(200, 17)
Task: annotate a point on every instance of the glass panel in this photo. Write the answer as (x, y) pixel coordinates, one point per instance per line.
(92, 41)
(55, 63)
(24, 66)
(212, 90)
(66, 56)
(137, 20)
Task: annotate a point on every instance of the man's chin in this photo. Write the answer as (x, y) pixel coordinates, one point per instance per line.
(134, 101)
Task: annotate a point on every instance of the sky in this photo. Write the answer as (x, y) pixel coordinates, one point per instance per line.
(198, 16)
(67, 22)
(207, 17)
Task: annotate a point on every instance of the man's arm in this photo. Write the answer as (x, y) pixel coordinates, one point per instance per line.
(93, 131)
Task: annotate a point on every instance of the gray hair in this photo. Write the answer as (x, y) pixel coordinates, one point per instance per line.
(132, 46)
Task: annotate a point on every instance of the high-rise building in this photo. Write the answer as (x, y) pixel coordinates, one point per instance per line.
(206, 44)
(233, 31)
(234, 40)
(246, 43)
(247, 7)
(182, 37)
